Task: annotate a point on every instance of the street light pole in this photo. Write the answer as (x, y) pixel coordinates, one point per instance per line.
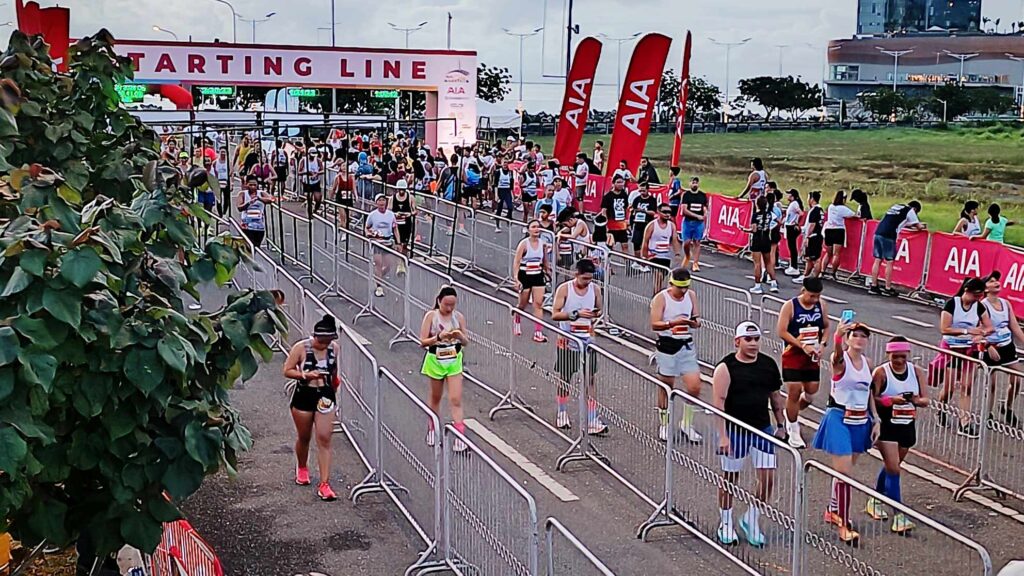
(618, 58)
(962, 58)
(256, 21)
(895, 62)
(408, 31)
(781, 47)
(522, 38)
(165, 31)
(728, 53)
(234, 20)
(334, 21)
(944, 104)
(1021, 60)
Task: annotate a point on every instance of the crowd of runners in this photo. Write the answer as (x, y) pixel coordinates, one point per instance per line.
(872, 402)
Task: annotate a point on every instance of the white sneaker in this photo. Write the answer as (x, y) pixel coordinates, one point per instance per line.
(867, 281)
(792, 271)
(799, 279)
(379, 292)
(757, 289)
(195, 306)
(795, 439)
(431, 437)
(562, 420)
(692, 435)
(663, 433)
(645, 269)
(636, 266)
(458, 446)
(773, 286)
(727, 535)
(597, 428)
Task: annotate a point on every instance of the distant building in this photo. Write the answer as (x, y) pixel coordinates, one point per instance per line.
(892, 17)
(857, 65)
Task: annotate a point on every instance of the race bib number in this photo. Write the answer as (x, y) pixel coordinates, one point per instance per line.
(400, 220)
(532, 267)
(619, 210)
(565, 248)
(903, 413)
(640, 217)
(580, 326)
(809, 335)
(446, 354)
(855, 416)
(697, 208)
(1001, 336)
(681, 332)
(662, 246)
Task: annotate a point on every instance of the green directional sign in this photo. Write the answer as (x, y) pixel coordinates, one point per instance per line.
(217, 90)
(303, 92)
(130, 92)
(384, 94)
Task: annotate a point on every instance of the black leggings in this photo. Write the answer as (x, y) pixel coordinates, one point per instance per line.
(224, 205)
(792, 233)
(504, 199)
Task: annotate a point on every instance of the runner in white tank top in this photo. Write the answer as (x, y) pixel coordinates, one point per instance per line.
(674, 316)
(850, 425)
(757, 181)
(531, 269)
(1002, 349)
(661, 244)
(577, 305)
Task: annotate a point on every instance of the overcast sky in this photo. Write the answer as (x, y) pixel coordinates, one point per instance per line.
(804, 25)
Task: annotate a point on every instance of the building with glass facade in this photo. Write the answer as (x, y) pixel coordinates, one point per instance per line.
(893, 17)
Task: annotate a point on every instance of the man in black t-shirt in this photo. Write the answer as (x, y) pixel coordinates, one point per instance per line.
(694, 204)
(641, 213)
(813, 237)
(615, 207)
(744, 384)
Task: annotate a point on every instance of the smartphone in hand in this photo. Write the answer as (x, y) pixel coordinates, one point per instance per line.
(848, 316)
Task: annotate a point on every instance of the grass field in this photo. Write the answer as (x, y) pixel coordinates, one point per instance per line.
(942, 168)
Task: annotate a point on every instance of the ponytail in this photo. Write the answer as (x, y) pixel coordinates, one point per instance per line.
(443, 293)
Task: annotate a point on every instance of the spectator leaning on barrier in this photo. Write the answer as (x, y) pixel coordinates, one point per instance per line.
(968, 225)
(900, 217)
(835, 233)
(995, 226)
(863, 208)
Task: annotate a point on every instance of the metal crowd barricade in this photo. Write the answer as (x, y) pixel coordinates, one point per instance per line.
(930, 549)
(493, 252)
(323, 254)
(293, 303)
(434, 236)
(1002, 454)
(354, 260)
(390, 306)
(630, 288)
(411, 462)
(421, 287)
(360, 406)
(563, 267)
(490, 520)
(566, 555)
(697, 469)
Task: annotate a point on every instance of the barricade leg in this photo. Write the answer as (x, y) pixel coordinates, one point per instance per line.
(581, 449)
(661, 517)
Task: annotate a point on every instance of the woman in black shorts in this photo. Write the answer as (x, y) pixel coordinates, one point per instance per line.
(532, 268)
(761, 224)
(404, 207)
(1002, 349)
(899, 391)
(312, 364)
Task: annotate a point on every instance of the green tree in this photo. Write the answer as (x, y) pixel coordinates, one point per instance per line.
(990, 101)
(703, 100)
(884, 103)
(492, 83)
(954, 98)
(111, 394)
(668, 96)
(776, 94)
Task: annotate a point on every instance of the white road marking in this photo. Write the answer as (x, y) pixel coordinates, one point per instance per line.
(542, 478)
(833, 300)
(914, 322)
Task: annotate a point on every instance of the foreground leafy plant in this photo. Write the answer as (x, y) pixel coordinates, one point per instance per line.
(111, 394)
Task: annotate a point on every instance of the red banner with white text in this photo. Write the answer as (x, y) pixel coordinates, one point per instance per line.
(1011, 264)
(596, 185)
(637, 101)
(684, 93)
(911, 256)
(954, 258)
(576, 102)
(727, 215)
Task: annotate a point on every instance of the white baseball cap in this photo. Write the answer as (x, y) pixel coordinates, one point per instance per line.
(511, 139)
(401, 184)
(747, 328)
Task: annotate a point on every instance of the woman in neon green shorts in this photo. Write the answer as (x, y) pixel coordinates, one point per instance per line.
(444, 335)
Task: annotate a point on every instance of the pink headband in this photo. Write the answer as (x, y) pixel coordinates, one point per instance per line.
(897, 347)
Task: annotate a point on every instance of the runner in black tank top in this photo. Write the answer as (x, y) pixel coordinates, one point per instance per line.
(404, 207)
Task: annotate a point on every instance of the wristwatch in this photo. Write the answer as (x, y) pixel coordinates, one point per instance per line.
(574, 315)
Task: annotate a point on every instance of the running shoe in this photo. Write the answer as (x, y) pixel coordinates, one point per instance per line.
(968, 430)
(663, 433)
(799, 279)
(325, 492)
(379, 292)
(497, 229)
(849, 536)
(302, 476)
(517, 329)
(752, 532)
(875, 290)
(431, 437)
(795, 439)
(726, 535)
(875, 510)
(645, 269)
(597, 428)
(773, 286)
(401, 269)
(943, 419)
(195, 306)
(691, 435)
(562, 420)
(791, 271)
(636, 266)
(539, 337)
(891, 292)
(833, 518)
(696, 267)
(757, 289)
(900, 524)
(1009, 418)
(458, 446)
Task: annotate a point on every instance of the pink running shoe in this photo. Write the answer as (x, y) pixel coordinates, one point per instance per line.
(302, 476)
(325, 492)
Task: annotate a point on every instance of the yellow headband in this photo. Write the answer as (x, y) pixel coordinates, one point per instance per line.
(680, 283)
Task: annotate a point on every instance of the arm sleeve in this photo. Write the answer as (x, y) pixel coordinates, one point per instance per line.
(950, 306)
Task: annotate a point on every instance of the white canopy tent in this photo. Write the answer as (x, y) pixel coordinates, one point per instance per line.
(497, 116)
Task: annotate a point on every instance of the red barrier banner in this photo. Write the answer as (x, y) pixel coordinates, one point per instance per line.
(637, 101)
(1011, 264)
(596, 186)
(850, 257)
(684, 93)
(954, 258)
(911, 256)
(727, 216)
(576, 103)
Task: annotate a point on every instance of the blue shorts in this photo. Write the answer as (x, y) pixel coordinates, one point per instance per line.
(692, 230)
(743, 443)
(207, 199)
(838, 438)
(884, 248)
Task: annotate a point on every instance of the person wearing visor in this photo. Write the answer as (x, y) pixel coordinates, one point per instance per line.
(382, 229)
(443, 333)
(747, 386)
(850, 425)
(674, 313)
(312, 366)
(899, 390)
